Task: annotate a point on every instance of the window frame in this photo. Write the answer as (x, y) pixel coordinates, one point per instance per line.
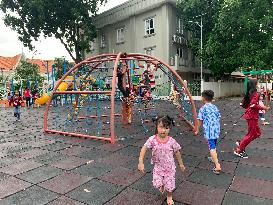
(147, 26)
(102, 41)
(180, 52)
(120, 31)
(180, 26)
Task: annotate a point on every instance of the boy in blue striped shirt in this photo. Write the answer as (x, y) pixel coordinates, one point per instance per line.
(209, 117)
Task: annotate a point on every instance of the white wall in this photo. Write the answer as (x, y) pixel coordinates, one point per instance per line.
(269, 85)
(224, 89)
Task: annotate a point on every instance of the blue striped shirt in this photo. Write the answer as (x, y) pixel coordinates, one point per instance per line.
(210, 116)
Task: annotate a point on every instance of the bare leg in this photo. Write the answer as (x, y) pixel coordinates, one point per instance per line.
(169, 198)
(213, 154)
(162, 189)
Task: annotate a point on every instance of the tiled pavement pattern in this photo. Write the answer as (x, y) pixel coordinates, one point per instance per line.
(36, 168)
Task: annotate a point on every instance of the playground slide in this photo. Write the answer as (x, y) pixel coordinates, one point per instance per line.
(45, 97)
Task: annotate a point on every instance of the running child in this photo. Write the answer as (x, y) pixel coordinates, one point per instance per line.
(163, 148)
(251, 104)
(17, 102)
(209, 116)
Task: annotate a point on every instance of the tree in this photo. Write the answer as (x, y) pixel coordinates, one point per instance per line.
(191, 10)
(59, 64)
(28, 72)
(70, 21)
(242, 37)
(237, 33)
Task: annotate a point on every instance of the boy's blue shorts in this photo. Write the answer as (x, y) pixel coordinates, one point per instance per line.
(212, 143)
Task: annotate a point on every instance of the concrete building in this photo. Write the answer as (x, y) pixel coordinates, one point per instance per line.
(147, 26)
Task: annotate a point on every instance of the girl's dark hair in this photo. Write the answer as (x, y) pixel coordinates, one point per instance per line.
(166, 120)
(251, 88)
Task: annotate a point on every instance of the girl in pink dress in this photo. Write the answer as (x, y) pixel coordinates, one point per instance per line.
(163, 148)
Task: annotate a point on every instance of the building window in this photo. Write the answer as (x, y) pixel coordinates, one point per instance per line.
(102, 41)
(180, 52)
(120, 35)
(150, 51)
(149, 26)
(180, 26)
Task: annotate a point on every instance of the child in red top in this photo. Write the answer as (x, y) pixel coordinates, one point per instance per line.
(27, 96)
(17, 102)
(251, 104)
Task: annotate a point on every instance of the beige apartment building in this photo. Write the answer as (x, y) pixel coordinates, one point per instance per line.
(151, 27)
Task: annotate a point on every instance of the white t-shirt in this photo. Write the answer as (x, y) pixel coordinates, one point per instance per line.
(261, 103)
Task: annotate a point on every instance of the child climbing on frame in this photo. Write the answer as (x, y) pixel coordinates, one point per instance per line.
(129, 101)
(146, 80)
(209, 116)
(128, 96)
(163, 148)
(251, 104)
(175, 97)
(122, 80)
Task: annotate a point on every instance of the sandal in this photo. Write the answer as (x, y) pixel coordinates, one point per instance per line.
(215, 171)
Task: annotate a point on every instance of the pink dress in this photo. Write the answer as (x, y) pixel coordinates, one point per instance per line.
(163, 160)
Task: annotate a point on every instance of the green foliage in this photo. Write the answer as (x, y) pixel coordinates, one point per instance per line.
(59, 66)
(195, 88)
(27, 72)
(237, 33)
(59, 63)
(2, 93)
(70, 21)
(191, 10)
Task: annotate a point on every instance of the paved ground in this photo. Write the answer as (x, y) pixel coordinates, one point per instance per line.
(36, 168)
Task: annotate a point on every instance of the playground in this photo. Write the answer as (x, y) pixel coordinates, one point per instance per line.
(82, 147)
(96, 109)
(40, 168)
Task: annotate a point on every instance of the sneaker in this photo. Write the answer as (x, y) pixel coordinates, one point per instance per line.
(241, 154)
(122, 99)
(238, 143)
(215, 171)
(265, 123)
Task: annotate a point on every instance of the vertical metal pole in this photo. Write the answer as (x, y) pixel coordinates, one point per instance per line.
(47, 74)
(21, 85)
(53, 75)
(12, 86)
(201, 74)
(64, 67)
